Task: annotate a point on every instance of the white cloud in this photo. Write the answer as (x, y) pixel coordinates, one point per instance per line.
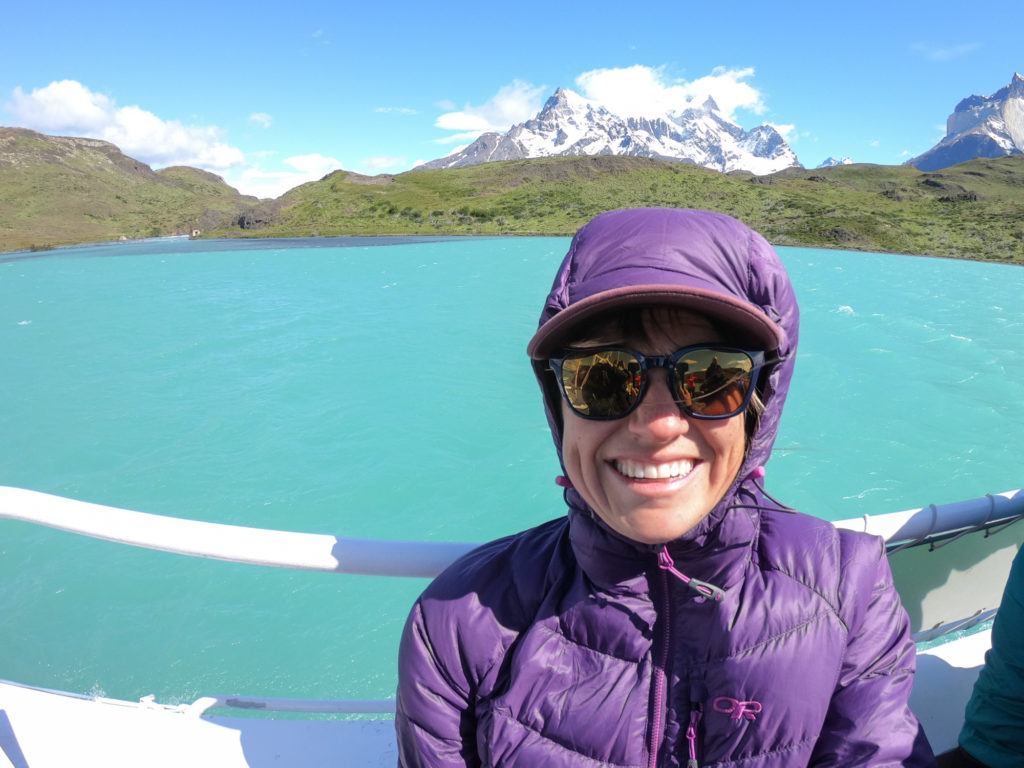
(874, 143)
(382, 163)
(397, 110)
(456, 149)
(64, 105)
(905, 153)
(641, 91)
(466, 121)
(68, 107)
(513, 103)
(944, 52)
(255, 180)
(315, 165)
(454, 138)
(261, 119)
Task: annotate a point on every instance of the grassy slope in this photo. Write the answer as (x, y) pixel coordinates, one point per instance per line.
(974, 210)
(60, 190)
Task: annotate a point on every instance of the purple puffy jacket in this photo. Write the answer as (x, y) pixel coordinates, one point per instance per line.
(569, 645)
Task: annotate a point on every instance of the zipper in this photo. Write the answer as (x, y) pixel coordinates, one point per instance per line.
(659, 673)
(696, 710)
(666, 566)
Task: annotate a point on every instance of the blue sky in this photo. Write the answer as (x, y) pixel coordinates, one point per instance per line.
(269, 95)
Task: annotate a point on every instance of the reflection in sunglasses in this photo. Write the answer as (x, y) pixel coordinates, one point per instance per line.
(608, 383)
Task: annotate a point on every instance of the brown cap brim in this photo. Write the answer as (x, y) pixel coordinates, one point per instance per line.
(749, 322)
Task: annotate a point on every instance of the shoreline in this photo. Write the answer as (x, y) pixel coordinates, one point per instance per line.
(40, 251)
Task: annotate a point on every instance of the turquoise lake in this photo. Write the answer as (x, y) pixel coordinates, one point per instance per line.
(380, 389)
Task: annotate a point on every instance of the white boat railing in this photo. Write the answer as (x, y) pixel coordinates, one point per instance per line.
(338, 554)
(234, 543)
(935, 524)
(308, 706)
(941, 521)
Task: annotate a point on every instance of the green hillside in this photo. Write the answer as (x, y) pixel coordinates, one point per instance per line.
(57, 190)
(974, 210)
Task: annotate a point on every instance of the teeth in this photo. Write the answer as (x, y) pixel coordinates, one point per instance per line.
(653, 471)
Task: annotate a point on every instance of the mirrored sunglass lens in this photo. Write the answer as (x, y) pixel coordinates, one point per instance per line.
(602, 384)
(713, 382)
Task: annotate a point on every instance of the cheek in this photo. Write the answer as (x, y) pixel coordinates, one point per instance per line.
(573, 437)
(729, 443)
(581, 441)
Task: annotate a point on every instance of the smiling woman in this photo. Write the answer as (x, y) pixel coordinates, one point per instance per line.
(655, 469)
(677, 614)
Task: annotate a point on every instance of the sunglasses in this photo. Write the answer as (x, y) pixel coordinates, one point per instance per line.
(707, 381)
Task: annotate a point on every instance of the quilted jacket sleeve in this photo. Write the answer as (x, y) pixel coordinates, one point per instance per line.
(994, 727)
(434, 716)
(869, 722)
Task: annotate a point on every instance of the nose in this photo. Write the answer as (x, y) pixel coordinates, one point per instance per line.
(658, 418)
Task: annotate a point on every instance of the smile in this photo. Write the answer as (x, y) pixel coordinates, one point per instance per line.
(666, 471)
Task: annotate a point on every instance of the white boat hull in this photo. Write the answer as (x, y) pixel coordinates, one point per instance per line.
(49, 729)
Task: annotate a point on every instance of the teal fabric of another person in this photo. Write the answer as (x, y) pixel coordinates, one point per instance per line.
(994, 729)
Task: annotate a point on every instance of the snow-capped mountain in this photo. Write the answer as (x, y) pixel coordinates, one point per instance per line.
(569, 124)
(829, 162)
(980, 126)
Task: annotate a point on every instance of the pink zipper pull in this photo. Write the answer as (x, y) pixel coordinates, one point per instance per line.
(666, 563)
(691, 738)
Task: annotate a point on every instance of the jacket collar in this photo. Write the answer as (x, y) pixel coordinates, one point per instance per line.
(716, 550)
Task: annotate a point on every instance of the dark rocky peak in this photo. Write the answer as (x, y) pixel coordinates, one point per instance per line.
(560, 95)
(765, 140)
(657, 126)
(560, 100)
(969, 103)
(1014, 89)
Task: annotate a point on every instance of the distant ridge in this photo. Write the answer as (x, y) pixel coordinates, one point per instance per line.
(858, 207)
(980, 126)
(56, 190)
(570, 125)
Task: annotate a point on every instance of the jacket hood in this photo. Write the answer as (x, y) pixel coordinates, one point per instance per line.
(704, 261)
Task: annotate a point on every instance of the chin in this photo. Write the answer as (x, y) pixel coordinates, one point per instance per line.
(658, 531)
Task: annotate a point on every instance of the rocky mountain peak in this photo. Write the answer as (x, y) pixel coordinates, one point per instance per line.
(709, 105)
(569, 124)
(980, 126)
(559, 98)
(1016, 87)
(565, 100)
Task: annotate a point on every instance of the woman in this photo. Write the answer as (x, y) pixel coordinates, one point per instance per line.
(678, 615)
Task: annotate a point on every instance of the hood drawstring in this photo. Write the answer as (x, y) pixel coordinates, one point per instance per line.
(666, 563)
(756, 475)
